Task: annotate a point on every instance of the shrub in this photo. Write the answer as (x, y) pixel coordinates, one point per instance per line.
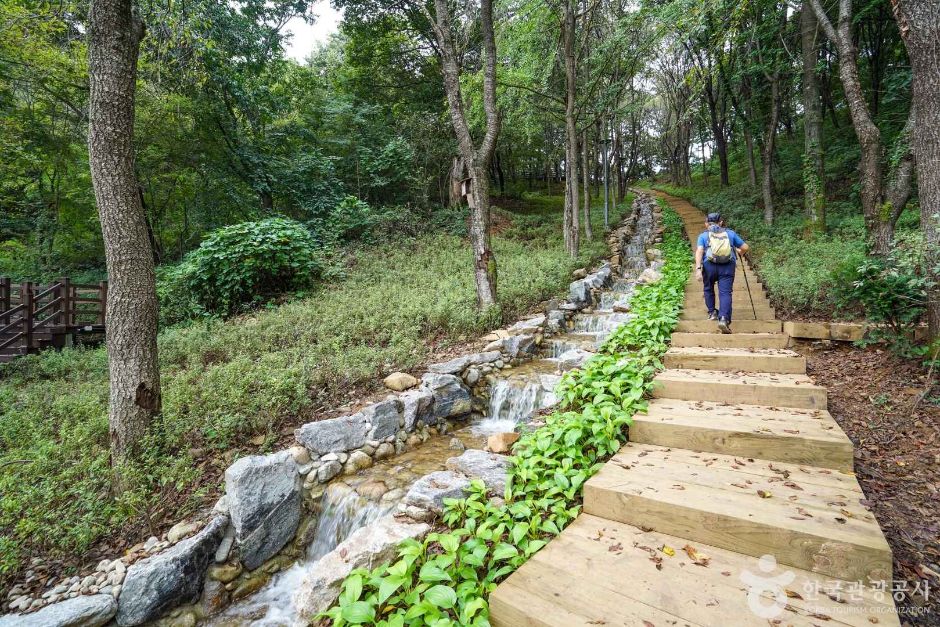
(246, 264)
(890, 292)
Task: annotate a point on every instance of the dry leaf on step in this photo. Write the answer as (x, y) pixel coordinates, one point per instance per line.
(699, 558)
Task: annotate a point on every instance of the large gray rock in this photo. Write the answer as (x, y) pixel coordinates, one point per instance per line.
(154, 586)
(649, 276)
(264, 503)
(385, 418)
(83, 611)
(451, 398)
(366, 548)
(491, 468)
(456, 366)
(579, 293)
(556, 321)
(517, 345)
(429, 491)
(529, 325)
(334, 435)
(416, 405)
(573, 358)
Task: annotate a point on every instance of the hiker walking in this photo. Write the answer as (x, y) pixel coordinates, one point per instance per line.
(715, 259)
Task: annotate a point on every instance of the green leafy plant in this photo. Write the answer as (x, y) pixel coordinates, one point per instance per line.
(247, 263)
(892, 295)
(446, 579)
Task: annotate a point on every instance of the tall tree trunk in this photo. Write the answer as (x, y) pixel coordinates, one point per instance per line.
(919, 23)
(477, 159)
(718, 130)
(572, 230)
(814, 171)
(115, 32)
(585, 170)
(767, 152)
(880, 217)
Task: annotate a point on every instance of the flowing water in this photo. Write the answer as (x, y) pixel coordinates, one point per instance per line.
(343, 512)
(514, 398)
(561, 344)
(353, 502)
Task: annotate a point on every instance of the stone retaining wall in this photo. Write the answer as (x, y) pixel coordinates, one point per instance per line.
(267, 515)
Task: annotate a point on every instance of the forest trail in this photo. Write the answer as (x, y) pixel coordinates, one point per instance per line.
(734, 503)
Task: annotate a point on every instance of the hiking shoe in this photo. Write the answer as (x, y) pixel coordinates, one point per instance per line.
(724, 326)
(713, 316)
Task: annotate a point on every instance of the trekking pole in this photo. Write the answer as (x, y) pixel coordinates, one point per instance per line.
(748, 285)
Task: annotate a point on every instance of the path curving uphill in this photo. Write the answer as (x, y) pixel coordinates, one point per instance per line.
(734, 503)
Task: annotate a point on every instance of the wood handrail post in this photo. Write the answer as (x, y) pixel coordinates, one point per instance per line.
(26, 297)
(65, 285)
(103, 292)
(6, 293)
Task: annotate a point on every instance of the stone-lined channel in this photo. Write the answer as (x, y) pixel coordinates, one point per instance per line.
(514, 395)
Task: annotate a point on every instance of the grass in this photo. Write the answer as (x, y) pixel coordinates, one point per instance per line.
(226, 382)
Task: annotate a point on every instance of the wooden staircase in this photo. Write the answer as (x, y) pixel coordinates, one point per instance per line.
(35, 317)
(735, 460)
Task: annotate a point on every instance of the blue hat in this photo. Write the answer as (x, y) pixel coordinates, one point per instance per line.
(713, 217)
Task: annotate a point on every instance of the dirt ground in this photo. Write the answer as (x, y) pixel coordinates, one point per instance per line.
(878, 399)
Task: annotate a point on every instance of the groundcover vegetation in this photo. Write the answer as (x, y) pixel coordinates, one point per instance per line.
(445, 580)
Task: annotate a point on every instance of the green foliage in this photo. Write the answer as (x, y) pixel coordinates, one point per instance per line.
(227, 381)
(248, 263)
(446, 579)
(891, 293)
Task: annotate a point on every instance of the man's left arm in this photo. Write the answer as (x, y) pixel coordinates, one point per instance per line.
(740, 245)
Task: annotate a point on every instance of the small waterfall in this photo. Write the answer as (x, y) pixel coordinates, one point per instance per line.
(514, 400)
(343, 512)
(611, 299)
(634, 253)
(561, 344)
(606, 322)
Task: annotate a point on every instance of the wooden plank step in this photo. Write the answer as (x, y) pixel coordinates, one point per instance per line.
(809, 518)
(796, 436)
(734, 340)
(628, 580)
(739, 326)
(784, 390)
(740, 303)
(777, 360)
(741, 311)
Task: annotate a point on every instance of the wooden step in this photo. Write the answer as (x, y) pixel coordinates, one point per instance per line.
(603, 572)
(741, 311)
(734, 340)
(784, 390)
(809, 518)
(775, 360)
(697, 293)
(740, 303)
(796, 436)
(739, 326)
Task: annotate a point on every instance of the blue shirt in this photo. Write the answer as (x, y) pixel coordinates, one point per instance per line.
(734, 238)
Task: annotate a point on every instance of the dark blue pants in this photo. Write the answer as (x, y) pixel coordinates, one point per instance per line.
(723, 275)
